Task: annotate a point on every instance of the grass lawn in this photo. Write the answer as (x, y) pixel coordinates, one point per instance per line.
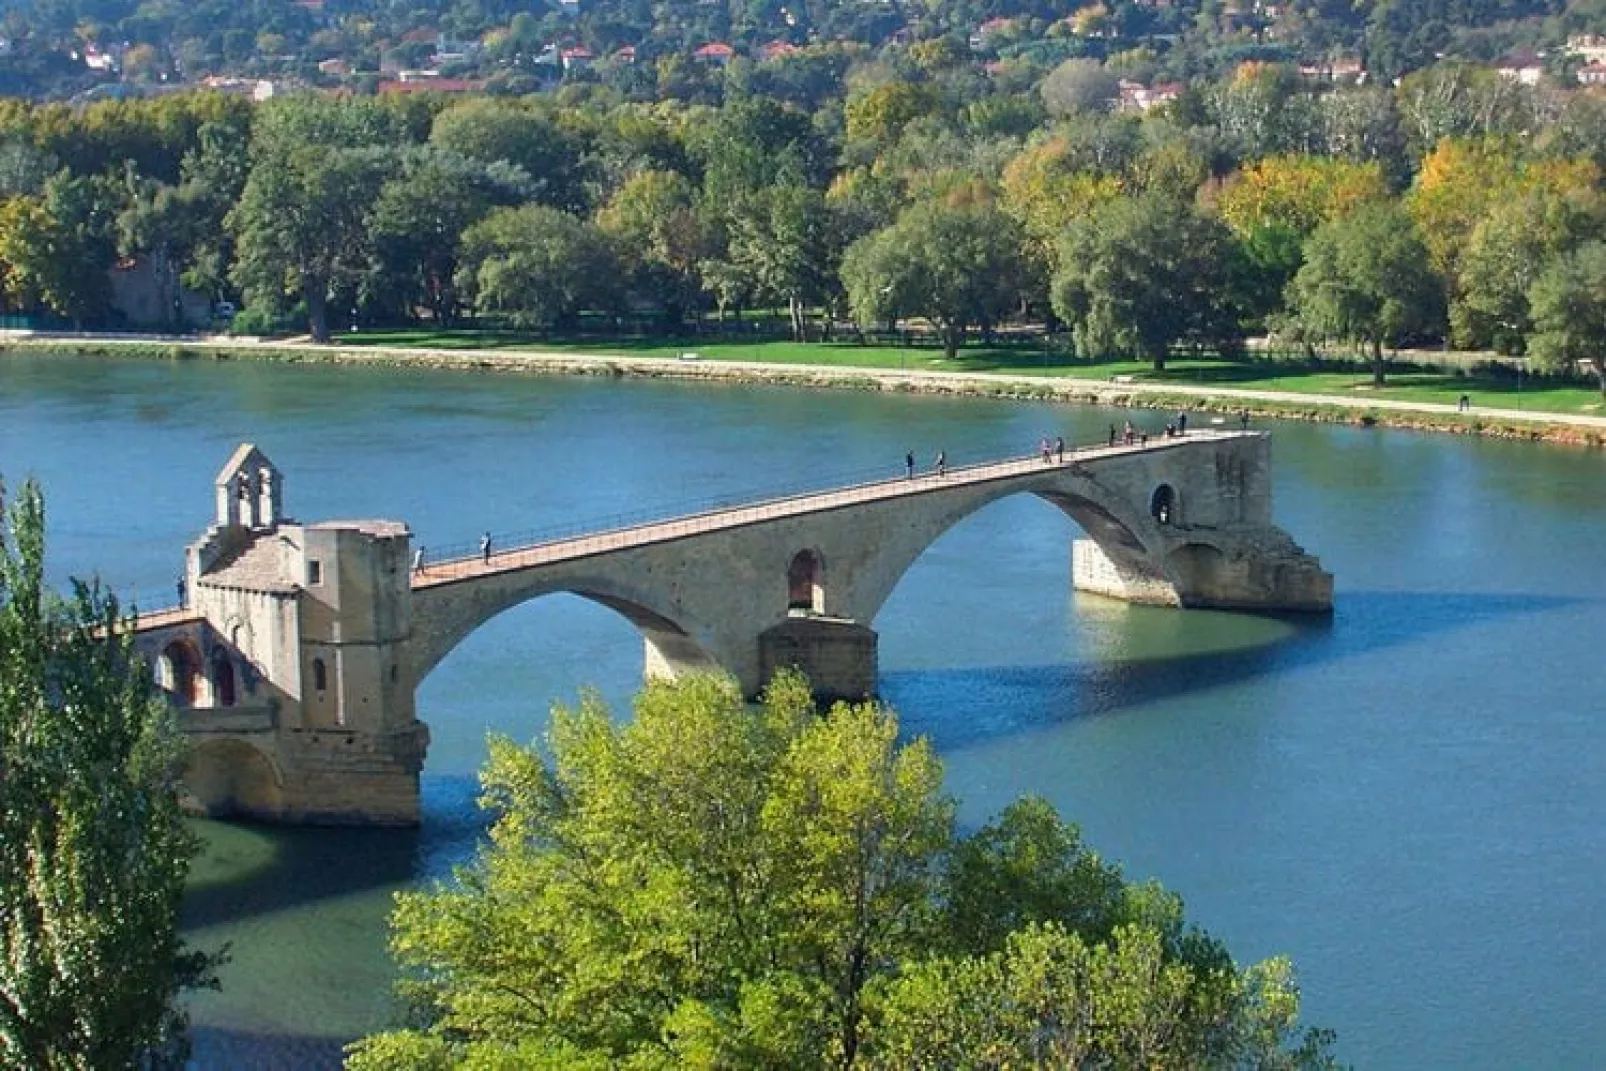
(1432, 385)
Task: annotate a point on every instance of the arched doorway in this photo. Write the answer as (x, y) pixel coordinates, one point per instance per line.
(222, 676)
(805, 583)
(179, 672)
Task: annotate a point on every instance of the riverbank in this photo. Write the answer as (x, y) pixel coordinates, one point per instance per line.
(1117, 391)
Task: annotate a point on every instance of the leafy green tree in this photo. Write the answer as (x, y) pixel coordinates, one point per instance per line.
(1366, 280)
(1568, 304)
(301, 224)
(163, 223)
(713, 884)
(493, 131)
(662, 235)
(780, 238)
(958, 264)
(58, 248)
(536, 266)
(1505, 256)
(418, 222)
(1079, 85)
(1142, 274)
(93, 848)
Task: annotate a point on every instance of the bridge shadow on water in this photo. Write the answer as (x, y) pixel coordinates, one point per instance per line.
(309, 865)
(1000, 701)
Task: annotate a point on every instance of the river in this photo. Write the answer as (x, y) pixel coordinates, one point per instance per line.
(1407, 799)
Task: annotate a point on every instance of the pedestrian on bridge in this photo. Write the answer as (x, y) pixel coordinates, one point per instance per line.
(1059, 448)
(485, 548)
(1043, 447)
(942, 463)
(909, 464)
(418, 559)
(1182, 423)
(181, 589)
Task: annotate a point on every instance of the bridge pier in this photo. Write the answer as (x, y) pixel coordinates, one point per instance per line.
(1258, 569)
(838, 656)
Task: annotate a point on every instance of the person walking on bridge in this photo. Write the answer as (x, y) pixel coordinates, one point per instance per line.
(942, 463)
(485, 548)
(909, 464)
(1059, 448)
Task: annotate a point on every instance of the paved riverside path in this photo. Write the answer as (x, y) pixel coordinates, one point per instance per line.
(511, 559)
(1066, 387)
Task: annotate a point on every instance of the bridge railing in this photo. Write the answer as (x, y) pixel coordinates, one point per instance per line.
(598, 525)
(445, 560)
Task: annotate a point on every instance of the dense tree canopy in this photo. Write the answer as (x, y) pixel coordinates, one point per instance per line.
(714, 884)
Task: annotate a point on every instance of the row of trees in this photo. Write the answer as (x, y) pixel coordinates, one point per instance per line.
(1138, 235)
(717, 885)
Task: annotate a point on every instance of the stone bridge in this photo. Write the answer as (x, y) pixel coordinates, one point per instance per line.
(295, 659)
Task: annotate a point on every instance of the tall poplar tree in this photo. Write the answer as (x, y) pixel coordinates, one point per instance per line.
(93, 848)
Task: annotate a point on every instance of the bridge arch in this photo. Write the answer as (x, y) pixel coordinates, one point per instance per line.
(445, 616)
(1123, 529)
(230, 777)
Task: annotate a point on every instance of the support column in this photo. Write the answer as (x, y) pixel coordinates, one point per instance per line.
(837, 655)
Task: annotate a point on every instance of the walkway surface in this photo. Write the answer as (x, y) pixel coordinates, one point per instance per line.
(925, 481)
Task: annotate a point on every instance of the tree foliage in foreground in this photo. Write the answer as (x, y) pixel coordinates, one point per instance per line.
(93, 849)
(718, 885)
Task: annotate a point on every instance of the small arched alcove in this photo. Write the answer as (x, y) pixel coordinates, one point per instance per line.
(1163, 505)
(178, 672)
(805, 583)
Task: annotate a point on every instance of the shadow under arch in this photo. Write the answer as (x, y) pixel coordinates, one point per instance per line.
(231, 778)
(670, 649)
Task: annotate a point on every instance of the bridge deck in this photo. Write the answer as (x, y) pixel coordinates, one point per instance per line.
(511, 559)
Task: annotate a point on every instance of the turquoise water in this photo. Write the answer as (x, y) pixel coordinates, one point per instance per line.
(1407, 799)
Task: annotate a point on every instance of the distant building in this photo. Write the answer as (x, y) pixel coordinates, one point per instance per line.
(142, 301)
(776, 49)
(627, 55)
(715, 52)
(1135, 96)
(1524, 68)
(1592, 74)
(1589, 47)
(1346, 70)
(576, 59)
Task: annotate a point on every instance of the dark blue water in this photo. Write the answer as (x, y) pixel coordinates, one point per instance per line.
(1407, 799)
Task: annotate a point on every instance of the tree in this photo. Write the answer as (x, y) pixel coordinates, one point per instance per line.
(956, 264)
(418, 222)
(779, 237)
(655, 224)
(301, 224)
(535, 265)
(1568, 304)
(497, 131)
(718, 885)
(93, 848)
(1508, 250)
(1366, 279)
(1142, 274)
(1079, 85)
